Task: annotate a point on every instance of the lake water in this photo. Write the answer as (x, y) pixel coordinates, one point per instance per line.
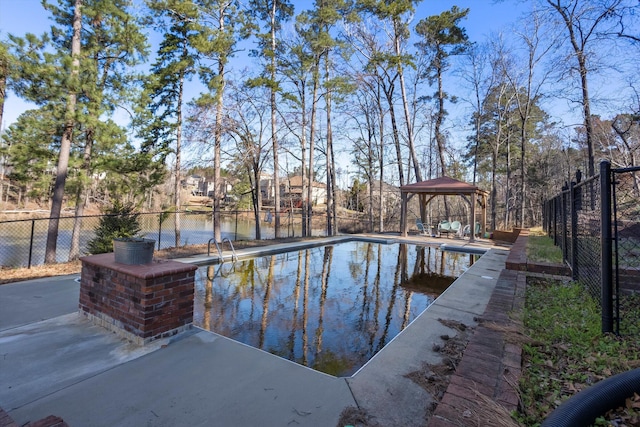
(16, 240)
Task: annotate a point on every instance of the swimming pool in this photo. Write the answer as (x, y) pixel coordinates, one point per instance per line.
(330, 308)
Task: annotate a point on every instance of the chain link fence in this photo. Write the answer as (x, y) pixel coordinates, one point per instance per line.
(626, 250)
(596, 223)
(24, 241)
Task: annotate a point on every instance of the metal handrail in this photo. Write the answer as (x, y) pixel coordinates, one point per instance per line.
(213, 239)
(234, 256)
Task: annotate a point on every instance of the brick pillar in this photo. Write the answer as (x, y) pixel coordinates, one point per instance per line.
(142, 303)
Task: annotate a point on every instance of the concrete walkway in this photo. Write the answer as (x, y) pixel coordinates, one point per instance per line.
(53, 361)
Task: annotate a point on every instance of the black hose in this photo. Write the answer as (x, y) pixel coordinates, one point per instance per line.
(585, 406)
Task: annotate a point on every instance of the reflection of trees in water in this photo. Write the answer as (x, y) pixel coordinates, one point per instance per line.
(309, 310)
(265, 303)
(296, 297)
(376, 310)
(363, 319)
(419, 265)
(428, 280)
(326, 274)
(305, 307)
(252, 286)
(208, 298)
(407, 308)
(403, 261)
(392, 300)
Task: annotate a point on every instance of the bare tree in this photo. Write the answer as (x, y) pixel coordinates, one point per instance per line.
(527, 86)
(585, 23)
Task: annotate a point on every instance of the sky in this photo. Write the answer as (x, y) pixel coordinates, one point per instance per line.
(19, 17)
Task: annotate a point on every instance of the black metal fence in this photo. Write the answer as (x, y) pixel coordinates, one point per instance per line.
(23, 241)
(596, 223)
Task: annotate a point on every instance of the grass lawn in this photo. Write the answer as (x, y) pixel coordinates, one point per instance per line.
(564, 350)
(540, 248)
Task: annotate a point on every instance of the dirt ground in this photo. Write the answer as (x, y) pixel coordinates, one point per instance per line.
(10, 275)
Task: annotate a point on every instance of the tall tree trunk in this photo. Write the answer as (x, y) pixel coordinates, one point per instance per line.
(381, 161)
(274, 136)
(586, 108)
(579, 50)
(523, 140)
(332, 222)
(256, 196)
(370, 167)
(440, 137)
(507, 207)
(217, 147)
(4, 70)
(82, 195)
(67, 137)
(407, 116)
(438, 127)
(303, 157)
(494, 187)
(312, 138)
(396, 139)
(178, 177)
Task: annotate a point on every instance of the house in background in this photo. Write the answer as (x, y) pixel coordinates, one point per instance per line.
(206, 186)
(389, 199)
(193, 184)
(291, 191)
(266, 188)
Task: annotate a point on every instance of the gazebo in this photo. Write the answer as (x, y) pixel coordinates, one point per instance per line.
(445, 186)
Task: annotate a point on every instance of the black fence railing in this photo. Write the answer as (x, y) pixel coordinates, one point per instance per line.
(23, 241)
(596, 223)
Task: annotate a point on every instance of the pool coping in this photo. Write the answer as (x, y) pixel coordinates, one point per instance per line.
(477, 247)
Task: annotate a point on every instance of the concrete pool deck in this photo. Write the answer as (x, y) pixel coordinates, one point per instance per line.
(54, 361)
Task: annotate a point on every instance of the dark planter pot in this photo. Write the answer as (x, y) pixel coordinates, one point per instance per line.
(133, 251)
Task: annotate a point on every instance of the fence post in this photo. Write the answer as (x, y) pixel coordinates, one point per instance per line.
(574, 232)
(292, 230)
(606, 251)
(565, 245)
(33, 227)
(159, 228)
(236, 237)
(555, 220)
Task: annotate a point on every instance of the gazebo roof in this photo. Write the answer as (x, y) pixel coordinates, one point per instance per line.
(443, 185)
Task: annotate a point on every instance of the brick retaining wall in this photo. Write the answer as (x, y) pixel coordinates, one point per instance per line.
(491, 365)
(517, 259)
(139, 302)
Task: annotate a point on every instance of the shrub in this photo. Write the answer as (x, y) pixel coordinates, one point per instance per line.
(119, 221)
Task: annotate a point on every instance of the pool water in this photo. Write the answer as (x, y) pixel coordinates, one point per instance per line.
(330, 308)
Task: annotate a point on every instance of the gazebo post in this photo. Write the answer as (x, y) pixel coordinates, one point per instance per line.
(403, 220)
(472, 226)
(484, 214)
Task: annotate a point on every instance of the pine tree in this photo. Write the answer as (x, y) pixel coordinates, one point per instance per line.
(272, 14)
(78, 87)
(223, 26)
(164, 90)
(119, 221)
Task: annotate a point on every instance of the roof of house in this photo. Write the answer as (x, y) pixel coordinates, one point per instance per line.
(296, 181)
(385, 187)
(443, 185)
